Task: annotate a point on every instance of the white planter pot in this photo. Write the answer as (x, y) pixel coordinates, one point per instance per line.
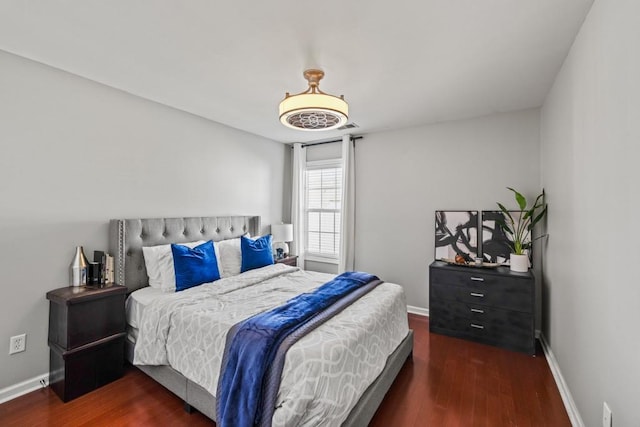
(519, 263)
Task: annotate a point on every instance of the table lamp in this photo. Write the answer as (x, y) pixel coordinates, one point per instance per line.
(281, 234)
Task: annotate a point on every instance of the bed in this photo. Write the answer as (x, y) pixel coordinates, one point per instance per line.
(129, 236)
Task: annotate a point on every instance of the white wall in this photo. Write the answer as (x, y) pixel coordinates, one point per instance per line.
(75, 154)
(590, 144)
(404, 176)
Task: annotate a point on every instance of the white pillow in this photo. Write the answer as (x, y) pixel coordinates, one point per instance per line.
(159, 263)
(229, 256)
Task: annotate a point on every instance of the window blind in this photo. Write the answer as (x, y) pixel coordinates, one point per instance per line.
(323, 204)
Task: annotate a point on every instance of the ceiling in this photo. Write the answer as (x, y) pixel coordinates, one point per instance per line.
(398, 63)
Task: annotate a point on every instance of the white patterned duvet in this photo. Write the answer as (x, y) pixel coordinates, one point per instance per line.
(325, 373)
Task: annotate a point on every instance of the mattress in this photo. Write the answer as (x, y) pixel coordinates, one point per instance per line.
(137, 301)
(325, 373)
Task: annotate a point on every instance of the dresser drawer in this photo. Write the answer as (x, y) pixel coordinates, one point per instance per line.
(517, 297)
(504, 328)
(466, 276)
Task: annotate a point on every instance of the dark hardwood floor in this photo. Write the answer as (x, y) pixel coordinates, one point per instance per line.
(453, 382)
(449, 382)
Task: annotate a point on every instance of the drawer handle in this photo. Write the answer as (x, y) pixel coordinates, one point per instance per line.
(477, 310)
(476, 294)
(473, 325)
(477, 279)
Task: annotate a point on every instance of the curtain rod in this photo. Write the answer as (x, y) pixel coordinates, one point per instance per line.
(310, 144)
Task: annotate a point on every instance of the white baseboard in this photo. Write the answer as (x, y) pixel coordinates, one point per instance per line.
(563, 388)
(418, 310)
(24, 387)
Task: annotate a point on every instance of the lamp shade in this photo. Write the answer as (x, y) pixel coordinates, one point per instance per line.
(282, 232)
(313, 110)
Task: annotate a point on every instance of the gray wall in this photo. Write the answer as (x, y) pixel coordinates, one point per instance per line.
(590, 144)
(404, 176)
(74, 155)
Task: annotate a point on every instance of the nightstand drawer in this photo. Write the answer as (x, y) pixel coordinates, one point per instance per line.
(81, 315)
(290, 260)
(74, 373)
(517, 297)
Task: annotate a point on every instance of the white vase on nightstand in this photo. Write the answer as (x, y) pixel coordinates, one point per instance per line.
(519, 263)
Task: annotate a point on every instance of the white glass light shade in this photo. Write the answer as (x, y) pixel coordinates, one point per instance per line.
(313, 111)
(282, 232)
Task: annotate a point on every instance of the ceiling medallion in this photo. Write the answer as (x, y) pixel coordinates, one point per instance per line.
(313, 110)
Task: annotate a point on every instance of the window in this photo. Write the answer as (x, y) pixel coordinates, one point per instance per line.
(323, 187)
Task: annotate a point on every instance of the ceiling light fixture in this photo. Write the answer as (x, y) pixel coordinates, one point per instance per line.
(313, 109)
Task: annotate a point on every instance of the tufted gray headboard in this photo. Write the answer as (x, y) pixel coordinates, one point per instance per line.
(128, 236)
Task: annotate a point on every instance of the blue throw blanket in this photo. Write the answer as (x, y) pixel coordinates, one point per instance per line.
(253, 343)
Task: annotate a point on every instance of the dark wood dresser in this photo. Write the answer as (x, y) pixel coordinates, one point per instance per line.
(490, 306)
(86, 338)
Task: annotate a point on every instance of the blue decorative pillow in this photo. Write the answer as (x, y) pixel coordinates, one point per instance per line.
(195, 266)
(256, 253)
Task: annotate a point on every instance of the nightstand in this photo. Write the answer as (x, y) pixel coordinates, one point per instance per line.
(290, 260)
(86, 338)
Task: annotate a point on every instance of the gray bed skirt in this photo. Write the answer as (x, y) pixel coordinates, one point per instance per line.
(196, 396)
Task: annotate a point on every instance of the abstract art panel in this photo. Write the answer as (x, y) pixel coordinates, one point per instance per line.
(497, 245)
(456, 234)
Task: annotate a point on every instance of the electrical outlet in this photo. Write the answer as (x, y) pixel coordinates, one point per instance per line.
(606, 416)
(17, 343)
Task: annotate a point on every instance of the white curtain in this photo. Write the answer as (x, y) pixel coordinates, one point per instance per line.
(297, 201)
(348, 213)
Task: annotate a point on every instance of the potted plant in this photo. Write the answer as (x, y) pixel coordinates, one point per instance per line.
(518, 225)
